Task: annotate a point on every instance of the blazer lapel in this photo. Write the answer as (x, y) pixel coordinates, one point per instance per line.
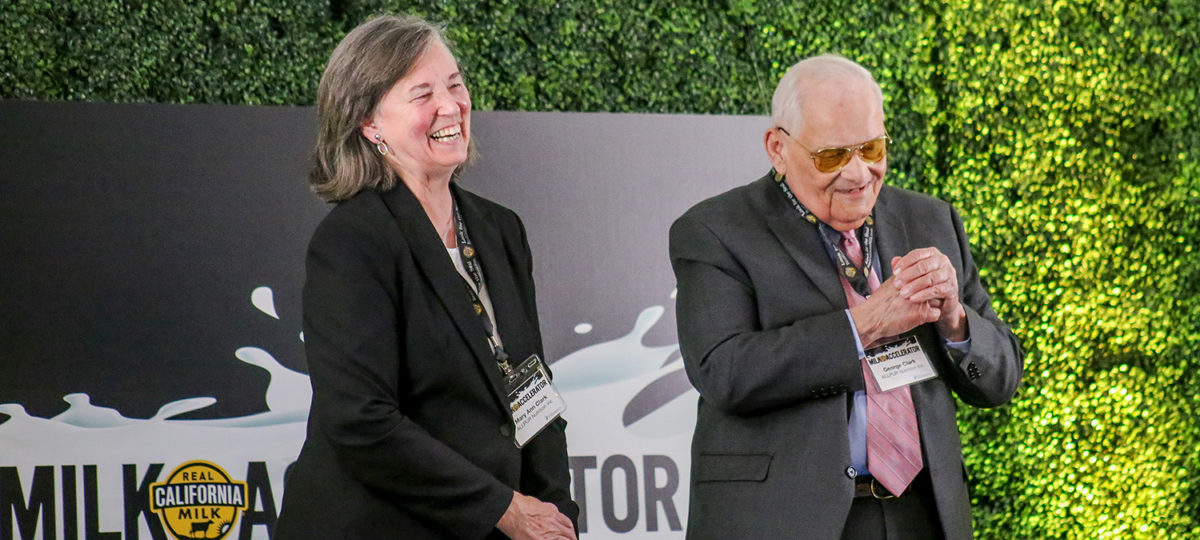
(433, 262)
(893, 241)
(891, 234)
(801, 240)
(489, 241)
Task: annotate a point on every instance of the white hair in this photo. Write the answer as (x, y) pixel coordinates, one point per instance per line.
(789, 93)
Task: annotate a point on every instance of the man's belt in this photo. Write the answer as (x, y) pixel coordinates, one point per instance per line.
(868, 486)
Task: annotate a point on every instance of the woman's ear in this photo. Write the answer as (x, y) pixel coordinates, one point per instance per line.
(370, 131)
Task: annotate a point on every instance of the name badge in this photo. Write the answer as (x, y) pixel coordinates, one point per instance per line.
(900, 363)
(533, 400)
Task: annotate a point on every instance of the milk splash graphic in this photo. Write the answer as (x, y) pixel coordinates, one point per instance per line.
(630, 414)
(624, 398)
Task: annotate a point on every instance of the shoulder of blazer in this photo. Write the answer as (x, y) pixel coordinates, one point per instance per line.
(898, 200)
(382, 210)
(364, 216)
(490, 210)
(367, 207)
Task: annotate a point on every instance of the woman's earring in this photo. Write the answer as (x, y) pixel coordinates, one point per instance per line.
(381, 146)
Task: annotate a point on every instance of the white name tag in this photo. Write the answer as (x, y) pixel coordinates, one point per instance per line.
(533, 400)
(900, 363)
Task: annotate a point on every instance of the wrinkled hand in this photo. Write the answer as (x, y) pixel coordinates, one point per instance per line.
(926, 275)
(923, 289)
(530, 518)
(887, 313)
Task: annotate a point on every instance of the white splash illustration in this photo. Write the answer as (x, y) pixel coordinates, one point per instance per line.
(617, 360)
(289, 390)
(612, 373)
(601, 384)
(263, 298)
(83, 414)
(176, 408)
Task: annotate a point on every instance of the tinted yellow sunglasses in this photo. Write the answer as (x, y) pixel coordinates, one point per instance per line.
(832, 159)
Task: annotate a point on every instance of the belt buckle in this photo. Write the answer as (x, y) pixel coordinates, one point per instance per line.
(886, 494)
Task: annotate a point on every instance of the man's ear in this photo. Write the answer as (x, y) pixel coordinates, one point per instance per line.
(773, 142)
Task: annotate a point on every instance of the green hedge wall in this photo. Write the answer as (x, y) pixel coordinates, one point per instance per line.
(1063, 130)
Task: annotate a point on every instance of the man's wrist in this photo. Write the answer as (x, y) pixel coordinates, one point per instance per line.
(955, 328)
(864, 324)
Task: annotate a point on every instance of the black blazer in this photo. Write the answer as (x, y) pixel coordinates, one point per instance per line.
(408, 434)
(766, 341)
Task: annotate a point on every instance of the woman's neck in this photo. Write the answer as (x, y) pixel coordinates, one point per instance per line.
(434, 196)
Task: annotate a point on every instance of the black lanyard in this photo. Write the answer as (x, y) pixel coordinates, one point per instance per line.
(467, 251)
(858, 278)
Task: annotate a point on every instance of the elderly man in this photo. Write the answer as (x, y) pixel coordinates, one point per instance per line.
(825, 319)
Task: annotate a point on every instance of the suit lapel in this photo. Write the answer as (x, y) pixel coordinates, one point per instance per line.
(891, 233)
(801, 240)
(894, 241)
(433, 262)
(490, 244)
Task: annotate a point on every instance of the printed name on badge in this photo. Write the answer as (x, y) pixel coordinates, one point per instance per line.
(900, 363)
(534, 402)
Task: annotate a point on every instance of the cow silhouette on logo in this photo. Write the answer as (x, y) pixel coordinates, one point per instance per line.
(200, 527)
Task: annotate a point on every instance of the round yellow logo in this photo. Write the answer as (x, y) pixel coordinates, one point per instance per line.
(198, 500)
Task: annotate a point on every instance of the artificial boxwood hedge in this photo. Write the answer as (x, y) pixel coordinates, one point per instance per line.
(1064, 131)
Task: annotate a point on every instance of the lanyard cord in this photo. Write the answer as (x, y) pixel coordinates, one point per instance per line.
(856, 276)
(467, 251)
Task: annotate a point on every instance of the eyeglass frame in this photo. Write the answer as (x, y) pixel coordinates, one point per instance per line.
(851, 150)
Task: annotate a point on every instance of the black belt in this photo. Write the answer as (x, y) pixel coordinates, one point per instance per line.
(868, 486)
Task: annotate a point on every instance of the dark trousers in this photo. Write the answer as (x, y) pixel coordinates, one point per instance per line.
(912, 516)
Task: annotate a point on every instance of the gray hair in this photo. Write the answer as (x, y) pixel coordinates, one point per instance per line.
(787, 102)
(361, 70)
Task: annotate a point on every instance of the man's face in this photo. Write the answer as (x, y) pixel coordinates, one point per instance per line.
(842, 111)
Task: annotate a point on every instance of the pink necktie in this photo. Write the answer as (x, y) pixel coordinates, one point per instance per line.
(893, 441)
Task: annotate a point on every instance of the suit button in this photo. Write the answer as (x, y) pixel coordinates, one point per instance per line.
(851, 473)
(505, 430)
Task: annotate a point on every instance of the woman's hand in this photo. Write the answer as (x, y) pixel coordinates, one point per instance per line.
(532, 519)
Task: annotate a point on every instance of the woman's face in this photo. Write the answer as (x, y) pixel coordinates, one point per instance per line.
(425, 119)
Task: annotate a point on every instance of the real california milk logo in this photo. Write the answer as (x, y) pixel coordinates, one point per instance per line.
(198, 500)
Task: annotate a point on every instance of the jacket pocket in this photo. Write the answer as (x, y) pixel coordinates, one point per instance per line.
(731, 467)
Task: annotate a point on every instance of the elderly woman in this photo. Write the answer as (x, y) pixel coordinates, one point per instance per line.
(418, 311)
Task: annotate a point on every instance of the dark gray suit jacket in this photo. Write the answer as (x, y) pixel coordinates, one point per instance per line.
(766, 341)
(409, 435)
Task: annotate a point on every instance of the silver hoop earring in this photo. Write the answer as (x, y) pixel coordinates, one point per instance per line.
(382, 148)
